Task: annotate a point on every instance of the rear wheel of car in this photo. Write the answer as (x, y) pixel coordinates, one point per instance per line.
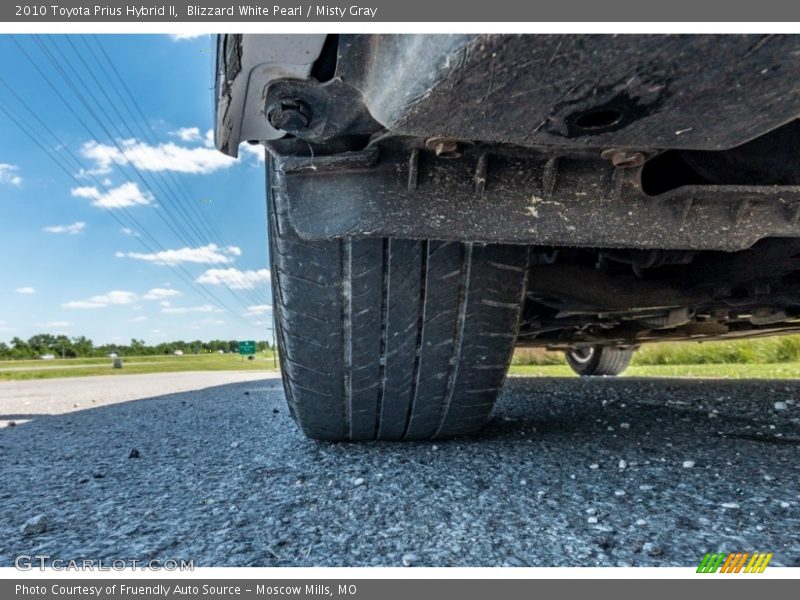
(599, 360)
(392, 339)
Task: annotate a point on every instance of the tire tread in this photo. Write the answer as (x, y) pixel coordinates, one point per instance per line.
(392, 339)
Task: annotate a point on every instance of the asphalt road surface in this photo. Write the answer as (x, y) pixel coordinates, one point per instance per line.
(569, 472)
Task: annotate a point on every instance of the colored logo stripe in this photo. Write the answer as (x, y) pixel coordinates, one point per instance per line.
(758, 563)
(710, 563)
(729, 561)
(734, 562)
(741, 562)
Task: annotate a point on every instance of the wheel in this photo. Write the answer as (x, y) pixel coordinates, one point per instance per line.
(599, 360)
(392, 339)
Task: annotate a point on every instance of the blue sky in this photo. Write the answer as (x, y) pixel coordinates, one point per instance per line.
(68, 265)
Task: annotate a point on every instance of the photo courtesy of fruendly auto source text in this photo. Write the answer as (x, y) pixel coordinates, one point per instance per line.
(385, 300)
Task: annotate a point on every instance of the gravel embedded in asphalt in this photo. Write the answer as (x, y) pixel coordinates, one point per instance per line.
(222, 476)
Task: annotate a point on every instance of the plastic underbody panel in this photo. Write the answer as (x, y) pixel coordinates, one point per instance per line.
(653, 177)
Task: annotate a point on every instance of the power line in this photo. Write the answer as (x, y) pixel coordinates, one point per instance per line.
(168, 218)
(153, 138)
(113, 105)
(28, 130)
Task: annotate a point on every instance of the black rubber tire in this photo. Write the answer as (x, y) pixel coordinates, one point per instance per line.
(599, 360)
(388, 339)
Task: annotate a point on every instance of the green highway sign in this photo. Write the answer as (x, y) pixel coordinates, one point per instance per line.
(247, 347)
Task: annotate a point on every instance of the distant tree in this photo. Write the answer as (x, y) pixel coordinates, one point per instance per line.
(217, 345)
(138, 347)
(21, 348)
(82, 346)
(62, 346)
(42, 343)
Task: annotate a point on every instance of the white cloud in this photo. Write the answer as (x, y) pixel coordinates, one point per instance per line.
(182, 310)
(210, 322)
(127, 194)
(116, 297)
(258, 309)
(55, 324)
(234, 278)
(208, 139)
(8, 175)
(210, 254)
(26, 290)
(139, 319)
(179, 37)
(165, 303)
(255, 150)
(73, 229)
(160, 293)
(130, 232)
(83, 304)
(187, 134)
(163, 157)
(4, 327)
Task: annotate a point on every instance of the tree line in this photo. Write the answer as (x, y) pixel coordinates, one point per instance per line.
(61, 346)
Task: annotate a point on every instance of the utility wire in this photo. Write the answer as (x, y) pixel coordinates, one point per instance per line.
(186, 215)
(29, 131)
(168, 218)
(211, 231)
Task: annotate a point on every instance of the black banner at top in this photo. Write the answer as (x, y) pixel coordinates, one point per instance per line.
(471, 11)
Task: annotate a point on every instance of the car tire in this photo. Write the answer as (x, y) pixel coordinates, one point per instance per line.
(391, 339)
(599, 360)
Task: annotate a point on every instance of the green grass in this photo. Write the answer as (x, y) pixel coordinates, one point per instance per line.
(770, 358)
(81, 367)
(773, 350)
(709, 371)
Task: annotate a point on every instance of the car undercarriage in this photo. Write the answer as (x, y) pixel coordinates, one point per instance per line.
(644, 188)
